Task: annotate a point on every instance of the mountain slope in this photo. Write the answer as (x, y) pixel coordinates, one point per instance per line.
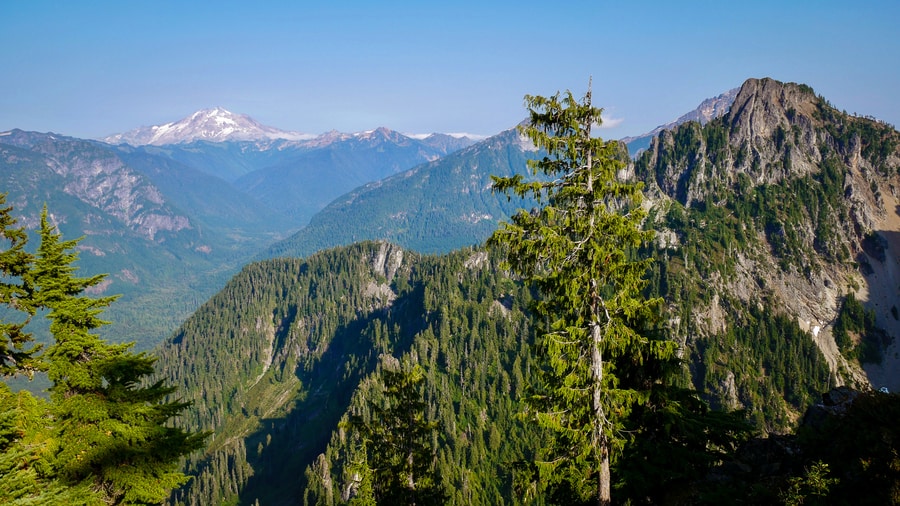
(304, 183)
(225, 160)
(434, 207)
(97, 177)
(209, 199)
(310, 333)
(779, 209)
(162, 260)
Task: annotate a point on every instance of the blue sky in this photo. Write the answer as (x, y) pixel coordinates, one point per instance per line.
(89, 69)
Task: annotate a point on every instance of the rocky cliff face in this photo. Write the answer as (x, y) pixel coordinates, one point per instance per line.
(158, 258)
(812, 195)
(99, 178)
(773, 131)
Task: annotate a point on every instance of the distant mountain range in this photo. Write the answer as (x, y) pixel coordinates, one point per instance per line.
(136, 227)
(219, 125)
(709, 109)
(432, 208)
(171, 222)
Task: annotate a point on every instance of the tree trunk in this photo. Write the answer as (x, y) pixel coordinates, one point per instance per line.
(603, 492)
(601, 439)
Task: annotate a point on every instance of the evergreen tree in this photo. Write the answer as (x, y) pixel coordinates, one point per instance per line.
(111, 424)
(15, 294)
(397, 440)
(26, 478)
(676, 440)
(578, 249)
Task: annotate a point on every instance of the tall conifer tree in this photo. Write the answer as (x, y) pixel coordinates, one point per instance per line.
(112, 425)
(26, 476)
(578, 249)
(397, 441)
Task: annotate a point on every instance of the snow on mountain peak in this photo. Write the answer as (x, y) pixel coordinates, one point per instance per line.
(216, 125)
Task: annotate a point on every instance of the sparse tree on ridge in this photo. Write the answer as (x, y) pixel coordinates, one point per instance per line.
(578, 248)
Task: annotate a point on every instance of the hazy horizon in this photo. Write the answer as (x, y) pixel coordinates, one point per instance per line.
(461, 67)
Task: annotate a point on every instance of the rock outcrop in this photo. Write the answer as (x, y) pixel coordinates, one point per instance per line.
(838, 232)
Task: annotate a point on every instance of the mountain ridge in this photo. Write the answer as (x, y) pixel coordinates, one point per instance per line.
(708, 109)
(806, 199)
(147, 222)
(218, 124)
(409, 208)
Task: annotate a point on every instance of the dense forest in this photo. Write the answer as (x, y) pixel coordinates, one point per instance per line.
(283, 415)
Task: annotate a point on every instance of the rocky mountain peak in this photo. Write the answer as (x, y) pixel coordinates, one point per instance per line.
(772, 132)
(814, 188)
(381, 134)
(762, 105)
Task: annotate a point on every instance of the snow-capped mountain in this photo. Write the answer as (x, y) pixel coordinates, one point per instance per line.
(220, 125)
(216, 125)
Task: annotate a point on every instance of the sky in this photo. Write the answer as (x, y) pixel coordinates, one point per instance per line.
(91, 69)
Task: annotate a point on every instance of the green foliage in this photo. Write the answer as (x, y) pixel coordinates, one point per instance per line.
(26, 476)
(854, 320)
(397, 442)
(760, 359)
(766, 353)
(716, 138)
(16, 348)
(676, 440)
(860, 447)
(578, 250)
(106, 434)
(811, 488)
(875, 140)
(458, 316)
